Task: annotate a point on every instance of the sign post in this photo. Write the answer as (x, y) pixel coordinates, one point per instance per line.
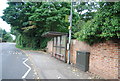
(68, 61)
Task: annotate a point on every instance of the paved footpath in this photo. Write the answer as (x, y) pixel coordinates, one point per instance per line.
(51, 68)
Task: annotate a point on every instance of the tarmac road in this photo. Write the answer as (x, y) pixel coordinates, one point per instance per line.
(15, 64)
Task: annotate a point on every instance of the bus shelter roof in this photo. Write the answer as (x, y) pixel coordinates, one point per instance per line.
(53, 34)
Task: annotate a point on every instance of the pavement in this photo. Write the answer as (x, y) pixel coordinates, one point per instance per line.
(0, 62)
(14, 63)
(49, 67)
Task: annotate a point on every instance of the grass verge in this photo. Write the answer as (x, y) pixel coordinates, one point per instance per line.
(26, 48)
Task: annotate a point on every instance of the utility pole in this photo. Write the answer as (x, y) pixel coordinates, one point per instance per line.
(68, 61)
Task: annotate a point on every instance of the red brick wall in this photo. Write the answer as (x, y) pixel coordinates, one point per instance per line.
(104, 60)
(103, 57)
(78, 46)
(119, 60)
(50, 46)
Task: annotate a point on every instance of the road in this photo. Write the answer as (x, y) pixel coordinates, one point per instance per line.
(34, 65)
(15, 64)
(51, 68)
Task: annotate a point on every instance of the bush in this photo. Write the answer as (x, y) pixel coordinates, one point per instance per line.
(104, 26)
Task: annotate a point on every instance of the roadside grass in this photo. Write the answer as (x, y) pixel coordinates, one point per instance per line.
(27, 48)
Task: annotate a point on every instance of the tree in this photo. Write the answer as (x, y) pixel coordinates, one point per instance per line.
(1, 32)
(5, 36)
(86, 10)
(104, 26)
(30, 20)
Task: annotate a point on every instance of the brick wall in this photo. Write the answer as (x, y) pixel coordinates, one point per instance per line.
(104, 60)
(119, 61)
(78, 46)
(50, 46)
(103, 57)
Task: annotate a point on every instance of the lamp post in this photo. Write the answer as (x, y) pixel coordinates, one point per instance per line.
(69, 41)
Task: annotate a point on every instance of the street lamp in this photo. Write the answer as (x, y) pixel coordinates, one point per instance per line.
(69, 41)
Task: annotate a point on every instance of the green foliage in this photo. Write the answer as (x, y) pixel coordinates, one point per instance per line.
(30, 20)
(5, 36)
(28, 43)
(86, 10)
(104, 26)
(1, 32)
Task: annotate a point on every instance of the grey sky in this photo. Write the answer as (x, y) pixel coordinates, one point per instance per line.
(3, 24)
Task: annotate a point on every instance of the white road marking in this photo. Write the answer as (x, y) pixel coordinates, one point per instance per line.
(24, 76)
(58, 77)
(77, 75)
(38, 78)
(35, 73)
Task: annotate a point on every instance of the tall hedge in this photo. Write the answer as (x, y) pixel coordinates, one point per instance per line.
(104, 26)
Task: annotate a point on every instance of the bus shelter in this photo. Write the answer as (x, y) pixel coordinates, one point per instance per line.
(59, 44)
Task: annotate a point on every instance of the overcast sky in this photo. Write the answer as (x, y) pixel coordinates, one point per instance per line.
(3, 24)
